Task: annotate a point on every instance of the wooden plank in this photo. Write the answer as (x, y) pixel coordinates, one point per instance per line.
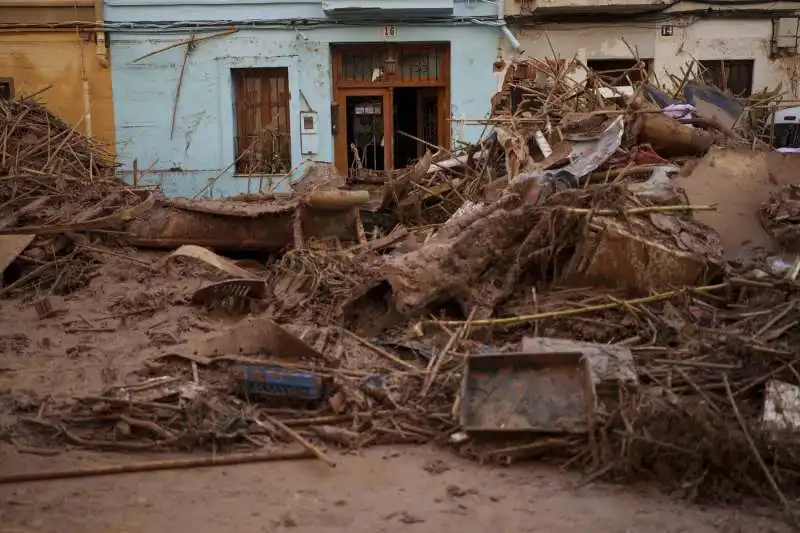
(30, 208)
(10, 248)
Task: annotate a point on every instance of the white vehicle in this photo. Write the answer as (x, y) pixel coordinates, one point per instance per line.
(787, 128)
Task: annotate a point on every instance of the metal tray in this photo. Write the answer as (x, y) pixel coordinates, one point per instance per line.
(527, 392)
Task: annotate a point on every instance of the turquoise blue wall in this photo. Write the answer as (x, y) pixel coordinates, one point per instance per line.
(202, 145)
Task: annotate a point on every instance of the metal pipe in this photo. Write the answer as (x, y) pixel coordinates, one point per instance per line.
(501, 18)
(101, 48)
(87, 107)
(512, 40)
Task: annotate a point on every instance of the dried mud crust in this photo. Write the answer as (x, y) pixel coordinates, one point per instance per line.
(100, 334)
(737, 182)
(480, 257)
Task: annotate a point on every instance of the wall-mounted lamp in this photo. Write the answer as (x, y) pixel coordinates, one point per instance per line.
(390, 64)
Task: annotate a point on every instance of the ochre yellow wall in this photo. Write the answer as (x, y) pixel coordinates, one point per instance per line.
(40, 58)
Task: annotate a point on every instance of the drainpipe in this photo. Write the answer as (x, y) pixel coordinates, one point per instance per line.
(101, 50)
(501, 19)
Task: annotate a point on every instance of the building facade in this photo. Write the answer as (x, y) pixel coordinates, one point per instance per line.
(744, 47)
(226, 97)
(49, 48)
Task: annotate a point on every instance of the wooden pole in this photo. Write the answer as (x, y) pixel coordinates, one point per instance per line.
(186, 41)
(319, 454)
(152, 466)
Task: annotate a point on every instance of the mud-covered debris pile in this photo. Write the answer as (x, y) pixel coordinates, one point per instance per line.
(780, 216)
(558, 250)
(57, 188)
(50, 173)
(558, 123)
(37, 143)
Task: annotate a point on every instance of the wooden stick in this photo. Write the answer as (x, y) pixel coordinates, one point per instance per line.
(360, 233)
(298, 238)
(134, 403)
(313, 421)
(221, 173)
(37, 93)
(768, 376)
(381, 351)
(510, 321)
(297, 437)
(90, 330)
(781, 497)
(793, 272)
(116, 254)
(189, 47)
(436, 363)
(642, 210)
(695, 364)
(152, 466)
(21, 448)
(186, 41)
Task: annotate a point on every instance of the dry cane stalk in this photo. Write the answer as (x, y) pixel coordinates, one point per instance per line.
(791, 514)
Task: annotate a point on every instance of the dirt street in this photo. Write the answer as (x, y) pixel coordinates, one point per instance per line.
(386, 490)
(393, 489)
(353, 313)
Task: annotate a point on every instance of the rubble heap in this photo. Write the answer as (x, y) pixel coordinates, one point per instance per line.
(549, 293)
(55, 182)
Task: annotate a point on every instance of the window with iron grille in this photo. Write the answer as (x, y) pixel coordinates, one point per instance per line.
(263, 134)
(371, 64)
(732, 75)
(6, 88)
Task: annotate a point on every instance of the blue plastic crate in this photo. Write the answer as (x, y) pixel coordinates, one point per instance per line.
(278, 382)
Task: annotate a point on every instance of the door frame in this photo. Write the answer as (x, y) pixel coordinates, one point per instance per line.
(341, 149)
(342, 89)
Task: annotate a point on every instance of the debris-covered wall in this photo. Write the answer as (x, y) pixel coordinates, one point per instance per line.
(201, 145)
(703, 40)
(724, 39)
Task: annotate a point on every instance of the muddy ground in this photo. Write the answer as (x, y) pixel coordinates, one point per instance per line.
(132, 310)
(383, 490)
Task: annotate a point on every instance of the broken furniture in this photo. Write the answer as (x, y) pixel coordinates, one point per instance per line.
(273, 223)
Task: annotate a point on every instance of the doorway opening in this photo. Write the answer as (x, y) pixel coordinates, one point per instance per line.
(365, 133)
(415, 115)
